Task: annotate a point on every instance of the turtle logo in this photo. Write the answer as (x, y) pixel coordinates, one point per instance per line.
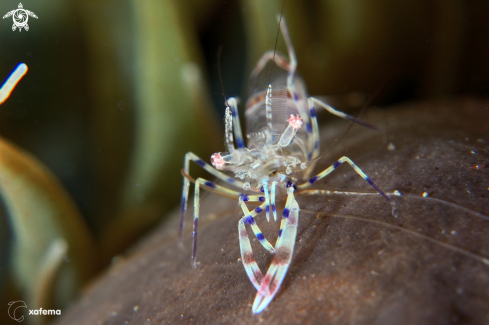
(20, 17)
(13, 306)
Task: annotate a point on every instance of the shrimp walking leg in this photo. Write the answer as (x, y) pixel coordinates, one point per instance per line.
(288, 65)
(268, 56)
(283, 255)
(233, 103)
(249, 216)
(251, 267)
(291, 52)
(341, 114)
(189, 156)
(338, 163)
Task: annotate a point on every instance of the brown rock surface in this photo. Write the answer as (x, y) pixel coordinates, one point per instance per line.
(358, 259)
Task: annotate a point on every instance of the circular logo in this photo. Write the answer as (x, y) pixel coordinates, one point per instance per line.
(20, 18)
(12, 308)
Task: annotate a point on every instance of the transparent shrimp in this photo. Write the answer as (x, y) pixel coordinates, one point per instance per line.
(279, 156)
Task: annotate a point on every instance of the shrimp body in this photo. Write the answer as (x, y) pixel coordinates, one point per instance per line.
(279, 154)
(278, 146)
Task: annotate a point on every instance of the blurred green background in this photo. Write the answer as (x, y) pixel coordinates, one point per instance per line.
(118, 91)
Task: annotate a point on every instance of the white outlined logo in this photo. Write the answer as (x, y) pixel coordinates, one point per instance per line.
(13, 306)
(20, 17)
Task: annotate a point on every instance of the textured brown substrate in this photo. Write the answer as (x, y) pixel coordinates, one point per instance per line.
(358, 259)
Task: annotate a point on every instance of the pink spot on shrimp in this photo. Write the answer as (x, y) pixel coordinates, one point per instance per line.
(217, 161)
(243, 234)
(248, 258)
(295, 121)
(282, 256)
(264, 285)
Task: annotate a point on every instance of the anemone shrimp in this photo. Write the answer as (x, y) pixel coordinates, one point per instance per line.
(279, 154)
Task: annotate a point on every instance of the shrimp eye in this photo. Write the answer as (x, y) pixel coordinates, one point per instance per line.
(217, 161)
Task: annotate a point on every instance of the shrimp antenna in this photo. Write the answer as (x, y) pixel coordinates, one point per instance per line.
(220, 75)
(276, 40)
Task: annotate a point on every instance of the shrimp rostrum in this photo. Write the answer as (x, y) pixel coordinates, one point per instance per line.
(283, 142)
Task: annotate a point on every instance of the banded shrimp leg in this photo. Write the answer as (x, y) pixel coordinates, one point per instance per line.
(241, 197)
(287, 234)
(251, 267)
(284, 248)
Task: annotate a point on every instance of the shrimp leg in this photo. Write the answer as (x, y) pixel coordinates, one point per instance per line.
(283, 255)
